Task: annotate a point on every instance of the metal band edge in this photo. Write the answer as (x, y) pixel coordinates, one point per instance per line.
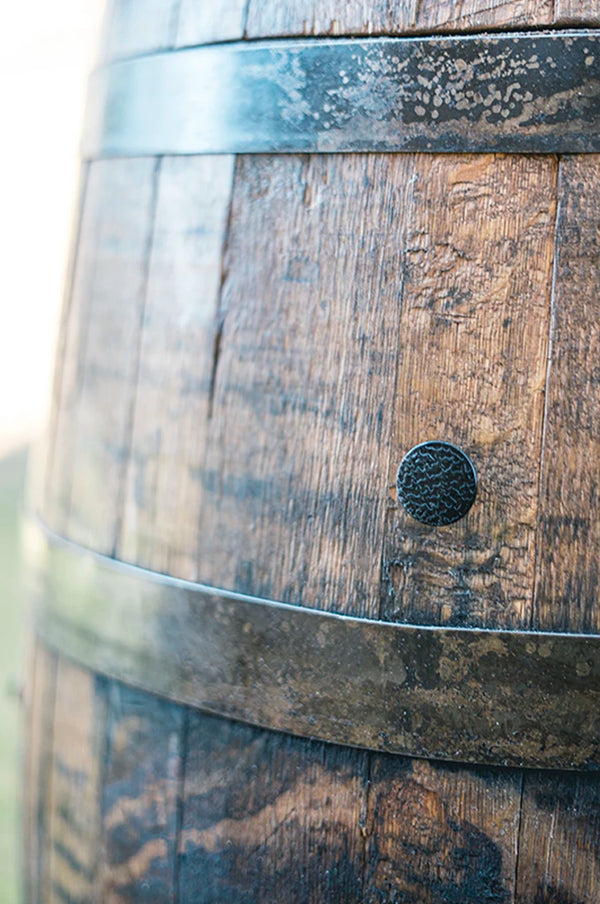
(465, 695)
(531, 92)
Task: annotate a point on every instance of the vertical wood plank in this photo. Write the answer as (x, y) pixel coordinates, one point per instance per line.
(54, 505)
(140, 794)
(269, 818)
(295, 480)
(472, 360)
(74, 822)
(577, 12)
(559, 855)
(138, 26)
(440, 833)
(38, 746)
(100, 381)
(471, 370)
(161, 518)
(204, 23)
(39, 489)
(339, 17)
(569, 532)
(558, 860)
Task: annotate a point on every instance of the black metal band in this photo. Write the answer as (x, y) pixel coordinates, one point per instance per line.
(499, 697)
(534, 92)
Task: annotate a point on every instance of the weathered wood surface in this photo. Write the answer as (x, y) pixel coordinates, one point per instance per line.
(92, 426)
(179, 344)
(327, 278)
(299, 17)
(254, 387)
(476, 296)
(569, 532)
(134, 27)
(559, 861)
(576, 12)
(38, 750)
(74, 786)
(140, 795)
(247, 353)
(269, 818)
(440, 833)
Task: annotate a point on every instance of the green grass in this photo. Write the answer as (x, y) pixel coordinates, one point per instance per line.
(12, 474)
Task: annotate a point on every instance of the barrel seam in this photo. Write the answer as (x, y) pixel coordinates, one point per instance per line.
(518, 838)
(551, 328)
(132, 408)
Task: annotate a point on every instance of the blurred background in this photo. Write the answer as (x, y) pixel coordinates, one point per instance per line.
(48, 51)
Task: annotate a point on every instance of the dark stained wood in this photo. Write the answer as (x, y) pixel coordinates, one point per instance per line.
(440, 833)
(240, 421)
(338, 17)
(139, 798)
(161, 514)
(74, 788)
(269, 818)
(471, 369)
(93, 432)
(40, 691)
(558, 847)
(559, 856)
(473, 339)
(298, 452)
(569, 533)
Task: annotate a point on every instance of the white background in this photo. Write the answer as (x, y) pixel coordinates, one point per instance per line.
(48, 49)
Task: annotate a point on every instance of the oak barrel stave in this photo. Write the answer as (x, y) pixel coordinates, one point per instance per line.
(178, 423)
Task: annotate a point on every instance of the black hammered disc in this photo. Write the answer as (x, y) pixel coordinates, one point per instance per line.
(436, 483)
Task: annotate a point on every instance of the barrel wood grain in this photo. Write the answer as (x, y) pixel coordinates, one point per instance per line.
(140, 798)
(569, 531)
(269, 818)
(99, 387)
(303, 799)
(472, 357)
(38, 751)
(134, 27)
(161, 514)
(337, 17)
(225, 438)
(576, 12)
(440, 833)
(299, 438)
(74, 787)
(560, 821)
(559, 859)
(472, 298)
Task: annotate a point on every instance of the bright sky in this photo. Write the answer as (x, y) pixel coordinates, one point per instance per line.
(48, 48)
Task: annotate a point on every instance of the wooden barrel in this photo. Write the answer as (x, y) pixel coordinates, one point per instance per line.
(263, 317)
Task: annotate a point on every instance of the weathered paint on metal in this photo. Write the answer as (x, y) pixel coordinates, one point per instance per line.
(534, 92)
(479, 696)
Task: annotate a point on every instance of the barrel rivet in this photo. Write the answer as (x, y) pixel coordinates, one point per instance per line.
(436, 483)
